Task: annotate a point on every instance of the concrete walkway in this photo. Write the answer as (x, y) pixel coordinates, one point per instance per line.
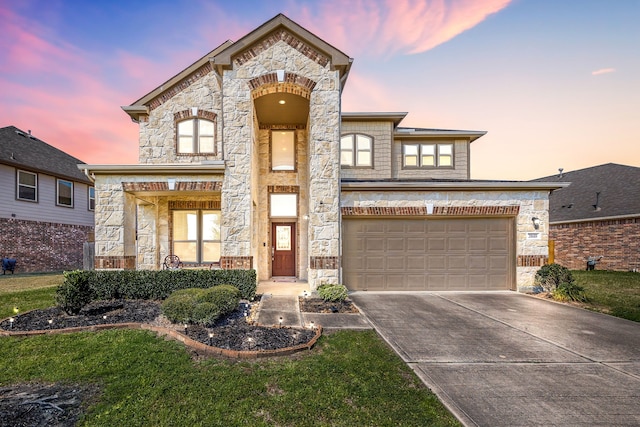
(280, 300)
(507, 359)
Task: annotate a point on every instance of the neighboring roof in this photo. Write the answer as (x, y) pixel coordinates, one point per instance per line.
(605, 191)
(350, 184)
(22, 150)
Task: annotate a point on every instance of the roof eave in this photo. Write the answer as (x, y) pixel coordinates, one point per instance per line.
(395, 117)
(452, 186)
(215, 167)
(421, 134)
(594, 219)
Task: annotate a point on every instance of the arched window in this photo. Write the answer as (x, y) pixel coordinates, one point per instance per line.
(196, 136)
(356, 150)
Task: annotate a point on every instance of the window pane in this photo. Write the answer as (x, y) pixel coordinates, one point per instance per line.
(185, 136)
(284, 205)
(206, 136)
(27, 178)
(211, 251)
(346, 158)
(445, 161)
(205, 128)
(186, 251)
(26, 193)
(410, 155)
(346, 142)
(185, 225)
(282, 151)
(211, 225)
(65, 193)
(428, 155)
(364, 158)
(92, 198)
(364, 142)
(428, 161)
(445, 157)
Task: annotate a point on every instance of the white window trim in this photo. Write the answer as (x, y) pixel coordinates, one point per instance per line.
(19, 171)
(58, 181)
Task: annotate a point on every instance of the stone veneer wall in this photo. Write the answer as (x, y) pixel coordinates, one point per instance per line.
(617, 240)
(323, 146)
(43, 246)
(530, 254)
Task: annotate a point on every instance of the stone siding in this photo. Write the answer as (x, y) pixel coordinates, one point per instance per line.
(617, 240)
(43, 246)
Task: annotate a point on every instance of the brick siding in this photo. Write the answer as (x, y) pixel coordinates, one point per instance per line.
(323, 262)
(43, 246)
(437, 211)
(617, 240)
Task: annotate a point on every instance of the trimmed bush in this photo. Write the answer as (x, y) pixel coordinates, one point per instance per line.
(332, 293)
(550, 276)
(82, 287)
(201, 306)
(75, 292)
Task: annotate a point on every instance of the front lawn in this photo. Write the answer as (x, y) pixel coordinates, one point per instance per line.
(612, 292)
(349, 378)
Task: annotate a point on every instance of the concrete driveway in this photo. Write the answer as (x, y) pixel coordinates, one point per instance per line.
(507, 359)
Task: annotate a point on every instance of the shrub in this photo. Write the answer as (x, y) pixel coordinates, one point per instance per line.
(75, 292)
(146, 284)
(569, 292)
(201, 306)
(332, 293)
(550, 276)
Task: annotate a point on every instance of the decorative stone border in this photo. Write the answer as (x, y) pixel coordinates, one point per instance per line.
(173, 334)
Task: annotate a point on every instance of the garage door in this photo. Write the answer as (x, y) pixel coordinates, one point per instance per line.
(428, 254)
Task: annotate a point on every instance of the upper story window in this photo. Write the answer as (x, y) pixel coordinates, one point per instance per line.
(427, 155)
(196, 136)
(283, 152)
(356, 150)
(64, 193)
(27, 186)
(92, 198)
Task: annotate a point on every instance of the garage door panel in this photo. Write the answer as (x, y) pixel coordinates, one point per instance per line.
(428, 254)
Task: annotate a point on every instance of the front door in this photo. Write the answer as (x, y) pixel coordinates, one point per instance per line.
(283, 249)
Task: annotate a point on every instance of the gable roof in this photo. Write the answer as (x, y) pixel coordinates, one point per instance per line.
(24, 151)
(605, 191)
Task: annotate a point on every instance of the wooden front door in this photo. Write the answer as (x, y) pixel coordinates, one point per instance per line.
(283, 249)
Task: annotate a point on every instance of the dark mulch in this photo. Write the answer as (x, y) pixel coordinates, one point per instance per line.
(318, 305)
(35, 404)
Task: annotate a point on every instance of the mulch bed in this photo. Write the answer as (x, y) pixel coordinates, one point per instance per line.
(318, 305)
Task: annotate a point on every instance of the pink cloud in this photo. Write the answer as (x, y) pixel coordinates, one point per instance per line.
(387, 27)
(603, 71)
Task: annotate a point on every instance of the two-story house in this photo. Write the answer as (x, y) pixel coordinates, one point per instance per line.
(47, 208)
(247, 161)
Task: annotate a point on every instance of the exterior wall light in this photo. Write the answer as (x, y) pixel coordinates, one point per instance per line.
(536, 222)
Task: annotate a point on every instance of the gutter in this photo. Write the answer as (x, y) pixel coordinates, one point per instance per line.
(214, 166)
(454, 186)
(602, 218)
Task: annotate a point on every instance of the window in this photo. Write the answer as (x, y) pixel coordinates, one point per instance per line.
(64, 193)
(356, 150)
(196, 235)
(196, 136)
(284, 205)
(92, 198)
(27, 188)
(427, 155)
(283, 151)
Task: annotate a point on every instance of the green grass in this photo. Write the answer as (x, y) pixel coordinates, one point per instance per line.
(26, 300)
(351, 378)
(612, 292)
(21, 282)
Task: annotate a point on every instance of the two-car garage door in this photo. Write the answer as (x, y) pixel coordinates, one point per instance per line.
(428, 254)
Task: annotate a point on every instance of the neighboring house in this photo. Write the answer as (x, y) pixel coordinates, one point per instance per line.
(597, 215)
(46, 214)
(247, 161)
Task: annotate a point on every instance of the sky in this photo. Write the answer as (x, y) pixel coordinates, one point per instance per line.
(554, 83)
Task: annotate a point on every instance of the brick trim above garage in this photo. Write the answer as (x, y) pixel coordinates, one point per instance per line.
(180, 186)
(532, 260)
(511, 210)
(323, 262)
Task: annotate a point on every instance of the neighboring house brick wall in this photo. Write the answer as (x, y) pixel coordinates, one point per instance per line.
(43, 246)
(617, 240)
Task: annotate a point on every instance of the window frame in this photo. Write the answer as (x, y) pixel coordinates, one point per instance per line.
(199, 241)
(437, 155)
(195, 137)
(355, 150)
(18, 185)
(91, 198)
(295, 151)
(58, 203)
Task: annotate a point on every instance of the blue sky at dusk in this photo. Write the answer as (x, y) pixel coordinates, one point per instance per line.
(555, 83)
